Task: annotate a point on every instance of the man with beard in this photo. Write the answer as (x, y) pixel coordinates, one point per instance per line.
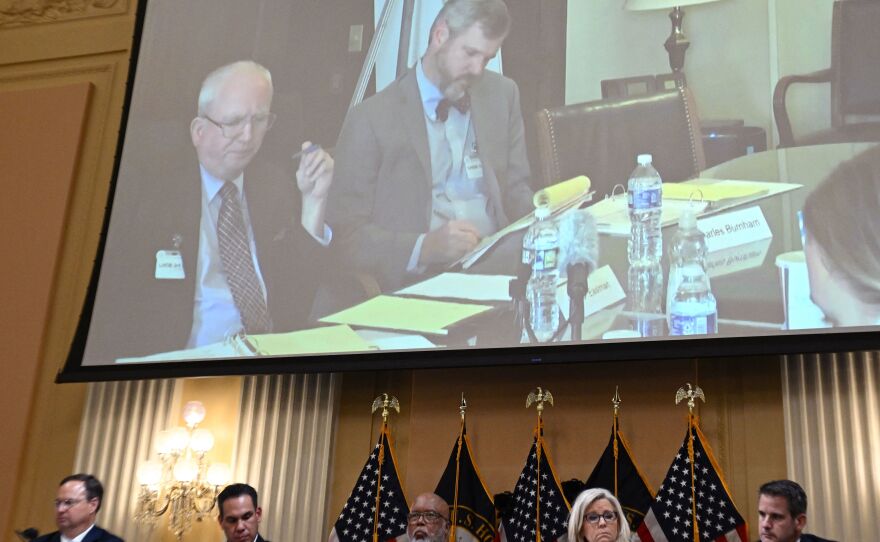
(428, 519)
(782, 513)
(435, 161)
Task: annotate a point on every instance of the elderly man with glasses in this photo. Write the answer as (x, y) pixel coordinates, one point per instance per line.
(428, 519)
(76, 506)
(218, 245)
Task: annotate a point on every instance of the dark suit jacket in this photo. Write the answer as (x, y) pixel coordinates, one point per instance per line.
(97, 534)
(810, 538)
(136, 314)
(380, 200)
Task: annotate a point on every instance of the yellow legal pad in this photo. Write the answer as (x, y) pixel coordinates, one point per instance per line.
(320, 340)
(713, 191)
(406, 314)
(559, 194)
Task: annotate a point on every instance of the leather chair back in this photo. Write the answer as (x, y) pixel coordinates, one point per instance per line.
(601, 139)
(855, 51)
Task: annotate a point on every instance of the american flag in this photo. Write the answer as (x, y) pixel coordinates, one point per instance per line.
(355, 523)
(670, 518)
(538, 499)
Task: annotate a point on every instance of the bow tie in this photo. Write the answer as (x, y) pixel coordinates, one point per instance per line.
(462, 104)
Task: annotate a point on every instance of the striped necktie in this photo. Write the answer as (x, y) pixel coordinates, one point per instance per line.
(238, 263)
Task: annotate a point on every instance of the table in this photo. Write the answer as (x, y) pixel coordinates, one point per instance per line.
(749, 299)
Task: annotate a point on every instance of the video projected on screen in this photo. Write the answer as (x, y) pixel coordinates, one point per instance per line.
(445, 219)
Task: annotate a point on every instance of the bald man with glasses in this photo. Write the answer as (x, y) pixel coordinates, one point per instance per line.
(77, 502)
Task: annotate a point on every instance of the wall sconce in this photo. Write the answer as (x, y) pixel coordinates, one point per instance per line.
(181, 483)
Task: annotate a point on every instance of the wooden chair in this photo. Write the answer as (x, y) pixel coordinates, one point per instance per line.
(854, 76)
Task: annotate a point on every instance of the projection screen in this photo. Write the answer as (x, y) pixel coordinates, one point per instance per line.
(368, 287)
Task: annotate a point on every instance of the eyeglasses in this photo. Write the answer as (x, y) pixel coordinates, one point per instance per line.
(593, 518)
(429, 517)
(66, 504)
(235, 127)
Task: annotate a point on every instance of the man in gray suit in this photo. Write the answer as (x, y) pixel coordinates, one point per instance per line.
(437, 160)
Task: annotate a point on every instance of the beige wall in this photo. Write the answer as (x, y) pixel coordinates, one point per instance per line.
(739, 49)
(49, 205)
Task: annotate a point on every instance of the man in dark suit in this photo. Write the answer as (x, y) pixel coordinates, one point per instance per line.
(782, 513)
(77, 502)
(240, 513)
(203, 249)
(436, 160)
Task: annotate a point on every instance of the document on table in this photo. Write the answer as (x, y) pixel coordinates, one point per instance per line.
(709, 195)
(463, 286)
(406, 314)
(319, 340)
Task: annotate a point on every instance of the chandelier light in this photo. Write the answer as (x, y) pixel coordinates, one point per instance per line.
(181, 484)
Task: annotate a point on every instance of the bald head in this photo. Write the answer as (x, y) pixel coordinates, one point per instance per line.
(428, 519)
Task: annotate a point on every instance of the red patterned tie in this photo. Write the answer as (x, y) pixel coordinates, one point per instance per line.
(238, 263)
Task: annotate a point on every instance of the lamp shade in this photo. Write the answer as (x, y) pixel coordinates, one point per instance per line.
(645, 5)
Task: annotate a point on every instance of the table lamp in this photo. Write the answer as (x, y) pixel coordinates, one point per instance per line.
(677, 43)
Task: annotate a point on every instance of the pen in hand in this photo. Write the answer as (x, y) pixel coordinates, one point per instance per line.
(308, 150)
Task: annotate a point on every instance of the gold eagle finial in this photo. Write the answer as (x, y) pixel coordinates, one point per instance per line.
(691, 394)
(386, 402)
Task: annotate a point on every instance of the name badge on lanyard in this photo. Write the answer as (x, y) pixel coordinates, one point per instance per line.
(473, 166)
(169, 263)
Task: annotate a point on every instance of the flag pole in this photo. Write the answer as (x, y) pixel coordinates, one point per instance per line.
(538, 397)
(616, 402)
(462, 409)
(386, 403)
(691, 394)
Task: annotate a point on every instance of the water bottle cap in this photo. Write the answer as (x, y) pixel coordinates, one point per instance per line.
(542, 213)
(688, 218)
(644, 159)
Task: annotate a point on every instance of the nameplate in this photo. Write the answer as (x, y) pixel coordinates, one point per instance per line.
(604, 290)
(734, 228)
(739, 258)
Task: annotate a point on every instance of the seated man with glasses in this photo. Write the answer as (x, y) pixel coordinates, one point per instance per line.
(76, 505)
(428, 519)
(218, 245)
(596, 516)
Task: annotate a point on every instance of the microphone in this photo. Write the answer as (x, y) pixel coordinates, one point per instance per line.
(583, 255)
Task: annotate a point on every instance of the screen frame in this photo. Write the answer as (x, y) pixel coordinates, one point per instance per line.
(792, 343)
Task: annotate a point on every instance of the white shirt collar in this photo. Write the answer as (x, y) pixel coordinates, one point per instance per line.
(79, 537)
(429, 92)
(213, 184)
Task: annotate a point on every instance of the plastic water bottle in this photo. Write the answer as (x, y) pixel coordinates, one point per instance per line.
(645, 300)
(645, 198)
(688, 248)
(541, 291)
(694, 310)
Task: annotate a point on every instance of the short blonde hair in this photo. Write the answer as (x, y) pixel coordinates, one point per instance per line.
(583, 501)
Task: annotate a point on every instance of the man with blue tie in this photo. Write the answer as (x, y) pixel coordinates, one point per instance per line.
(435, 161)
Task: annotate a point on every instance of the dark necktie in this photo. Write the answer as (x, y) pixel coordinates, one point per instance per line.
(238, 263)
(462, 104)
